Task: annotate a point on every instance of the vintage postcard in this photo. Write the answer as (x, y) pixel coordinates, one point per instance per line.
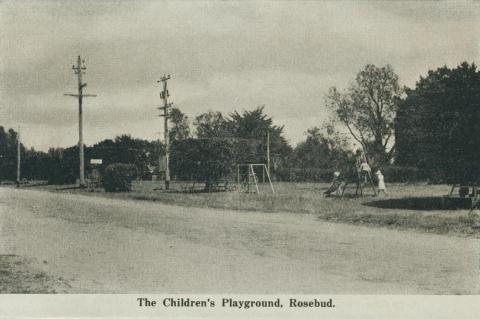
(232, 159)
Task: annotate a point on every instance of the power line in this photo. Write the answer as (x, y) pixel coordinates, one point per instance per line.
(79, 70)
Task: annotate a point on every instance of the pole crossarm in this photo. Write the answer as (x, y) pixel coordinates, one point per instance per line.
(169, 105)
(83, 95)
(164, 78)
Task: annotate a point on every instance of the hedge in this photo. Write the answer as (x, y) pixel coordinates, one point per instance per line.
(118, 177)
(393, 174)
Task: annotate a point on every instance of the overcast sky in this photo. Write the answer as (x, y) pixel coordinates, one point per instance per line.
(222, 56)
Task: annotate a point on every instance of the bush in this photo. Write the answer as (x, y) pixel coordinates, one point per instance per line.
(118, 177)
(207, 160)
(402, 174)
(310, 174)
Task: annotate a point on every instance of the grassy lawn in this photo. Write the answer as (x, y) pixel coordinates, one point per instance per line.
(408, 206)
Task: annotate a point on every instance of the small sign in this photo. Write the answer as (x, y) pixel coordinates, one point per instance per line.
(96, 161)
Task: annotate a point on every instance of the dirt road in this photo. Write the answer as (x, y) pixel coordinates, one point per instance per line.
(99, 245)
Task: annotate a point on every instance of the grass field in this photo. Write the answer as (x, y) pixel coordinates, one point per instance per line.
(408, 206)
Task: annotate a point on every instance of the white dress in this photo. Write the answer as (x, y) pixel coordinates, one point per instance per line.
(381, 182)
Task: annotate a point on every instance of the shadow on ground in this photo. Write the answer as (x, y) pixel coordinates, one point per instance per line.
(420, 203)
(350, 196)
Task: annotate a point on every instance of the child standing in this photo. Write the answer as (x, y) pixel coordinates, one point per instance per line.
(381, 183)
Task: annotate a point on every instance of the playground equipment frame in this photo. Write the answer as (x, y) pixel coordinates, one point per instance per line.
(252, 178)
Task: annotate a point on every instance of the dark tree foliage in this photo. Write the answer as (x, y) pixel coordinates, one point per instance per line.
(438, 125)
(326, 150)
(34, 165)
(8, 154)
(118, 177)
(206, 160)
(249, 129)
(210, 125)
(63, 166)
(125, 149)
(254, 125)
(180, 126)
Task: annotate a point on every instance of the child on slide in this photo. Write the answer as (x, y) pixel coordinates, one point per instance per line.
(335, 184)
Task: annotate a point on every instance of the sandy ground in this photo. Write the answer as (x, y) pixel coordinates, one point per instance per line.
(86, 244)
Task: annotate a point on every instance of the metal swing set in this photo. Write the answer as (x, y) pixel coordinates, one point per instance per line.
(247, 179)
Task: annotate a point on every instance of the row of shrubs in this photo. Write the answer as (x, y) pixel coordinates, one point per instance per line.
(311, 174)
(393, 174)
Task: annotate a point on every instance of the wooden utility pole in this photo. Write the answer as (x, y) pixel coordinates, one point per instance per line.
(268, 152)
(18, 157)
(164, 96)
(79, 70)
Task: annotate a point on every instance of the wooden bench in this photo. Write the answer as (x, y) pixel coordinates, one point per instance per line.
(224, 186)
(192, 187)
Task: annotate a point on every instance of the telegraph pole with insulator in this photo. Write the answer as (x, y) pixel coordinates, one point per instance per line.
(268, 152)
(19, 148)
(79, 69)
(166, 106)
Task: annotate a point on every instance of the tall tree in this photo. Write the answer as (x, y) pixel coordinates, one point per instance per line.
(255, 125)
(367, 109)
(438, 125)
(8, 154)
